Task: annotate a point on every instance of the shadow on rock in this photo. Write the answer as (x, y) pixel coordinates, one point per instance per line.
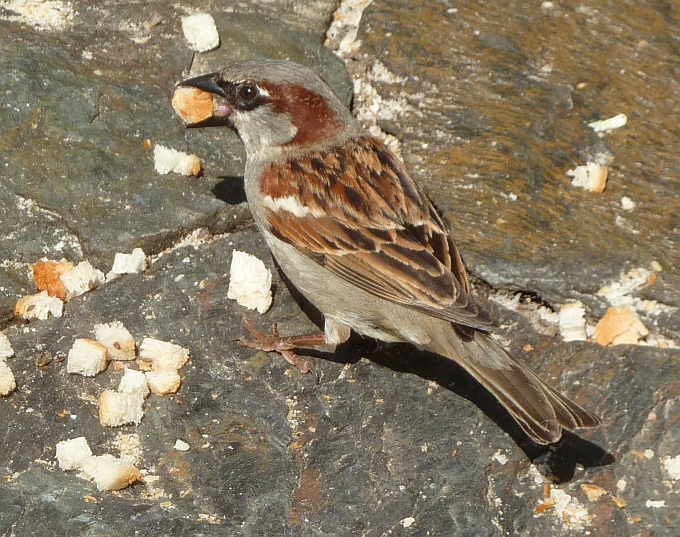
(558, 461)
(230, 190)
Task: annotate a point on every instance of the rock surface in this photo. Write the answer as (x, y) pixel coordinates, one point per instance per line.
(491, 104)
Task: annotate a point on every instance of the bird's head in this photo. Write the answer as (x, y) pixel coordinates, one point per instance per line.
(275, 104)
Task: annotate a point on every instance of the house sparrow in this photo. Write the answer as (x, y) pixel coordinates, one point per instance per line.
(360, 240)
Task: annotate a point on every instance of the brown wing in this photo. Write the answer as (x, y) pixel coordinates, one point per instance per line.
(357, 212)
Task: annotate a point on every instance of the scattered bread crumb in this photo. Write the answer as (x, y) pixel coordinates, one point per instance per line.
(111, 473)
(620, 326)
(47, 277)
(117, 339)
(124, 406)
(87, 357)
(627, 204)
(572, 322)
(609, 124)
(163, 382)
(39, 306)
(130, 263)
(593, 492)
(157, 355)
(7, 381)
(672, 466)
(201, 32)
(193, 105)
(116, 409)
(134, 383)
(72, 454)
(168, 160)
(592, 177)
(81, 279)
(250, 282)
(181, 445)
(6, 350)
(620, 502)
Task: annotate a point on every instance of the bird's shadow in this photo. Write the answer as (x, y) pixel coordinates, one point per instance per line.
(230, 190)
(559, 460)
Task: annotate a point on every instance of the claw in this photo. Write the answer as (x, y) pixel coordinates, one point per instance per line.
(283, 345)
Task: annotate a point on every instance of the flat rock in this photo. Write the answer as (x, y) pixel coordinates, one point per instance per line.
(491, 103)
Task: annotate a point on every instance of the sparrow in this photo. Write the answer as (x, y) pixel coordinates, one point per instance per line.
(358, 237)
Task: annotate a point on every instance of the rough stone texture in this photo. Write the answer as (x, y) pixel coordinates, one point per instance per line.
(392, 442)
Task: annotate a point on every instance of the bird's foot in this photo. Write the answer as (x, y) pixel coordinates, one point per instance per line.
(283, 345)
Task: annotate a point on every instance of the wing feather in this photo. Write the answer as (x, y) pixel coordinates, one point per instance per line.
(367, 221)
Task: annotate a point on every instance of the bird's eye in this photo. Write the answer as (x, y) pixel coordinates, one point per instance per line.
(247, 92)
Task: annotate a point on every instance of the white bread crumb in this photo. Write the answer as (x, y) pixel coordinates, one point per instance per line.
(117, 339)
(111, 473)
(168, 160)
(592, 177)
(134, 383)
(157, 355)
(163, 382)
(572, 322)
(72, 454)
(81, 279)
(116, 409)
(87, 357)
(107, 471)
(181, 445)
(609, 124)
(6, 350)
(200, 31)
(7, 381)
(130, 263)
(39, 306)
(250, 282)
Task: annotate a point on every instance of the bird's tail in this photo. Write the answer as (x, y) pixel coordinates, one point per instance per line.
(538, 408)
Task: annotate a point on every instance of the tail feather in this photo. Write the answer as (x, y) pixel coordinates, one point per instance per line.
(538, 408)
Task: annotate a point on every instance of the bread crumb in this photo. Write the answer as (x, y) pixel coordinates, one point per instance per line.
(168, 160)
(6, 350)
(87, 357)
(116, 409)
(163, 382)
(133, 263)
(134, 383)
(7, 381)
(193, 105)
(72, 454)
(157, 355)
(81, 279)
(592, 177)
(117, 339)
(181, 445)
(593, 492)
(627, 204)
(39, 306)
(609, 124)
(111, 473)
(672, 466)
(572, 322)
(250, 282)
(47, 277)
(620, 326)
(201, 32)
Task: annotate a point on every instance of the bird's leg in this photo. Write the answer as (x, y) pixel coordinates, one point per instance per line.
(283, 345)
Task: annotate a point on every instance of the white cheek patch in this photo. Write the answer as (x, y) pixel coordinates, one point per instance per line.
(288, 204)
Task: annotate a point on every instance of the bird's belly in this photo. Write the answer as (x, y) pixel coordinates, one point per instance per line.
(346, 303)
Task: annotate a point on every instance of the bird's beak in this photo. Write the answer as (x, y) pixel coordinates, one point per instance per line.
(222, 110)
(206, 83)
